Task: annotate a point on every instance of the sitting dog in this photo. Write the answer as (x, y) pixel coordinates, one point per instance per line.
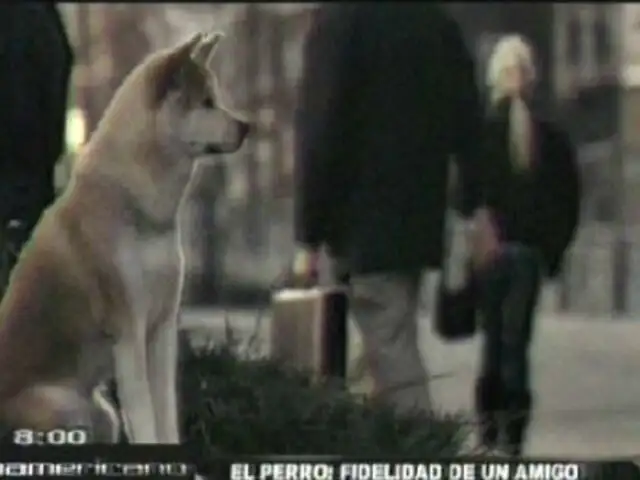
(96, 291)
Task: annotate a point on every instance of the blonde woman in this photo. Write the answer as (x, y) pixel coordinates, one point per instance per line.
(533, 192)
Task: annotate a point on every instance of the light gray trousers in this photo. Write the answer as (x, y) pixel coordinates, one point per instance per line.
(384, 307)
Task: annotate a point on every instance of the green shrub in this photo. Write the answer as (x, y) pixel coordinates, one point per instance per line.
(236, 405)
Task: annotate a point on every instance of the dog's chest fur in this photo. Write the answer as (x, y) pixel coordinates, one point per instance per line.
(152, 269)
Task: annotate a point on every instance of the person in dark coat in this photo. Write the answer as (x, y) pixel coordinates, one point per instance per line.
(387, 96)
(36, 61)
(534, 193)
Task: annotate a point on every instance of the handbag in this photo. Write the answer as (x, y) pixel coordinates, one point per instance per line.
(309, 325)
(455, 315)
(457, 292)
(309, 330)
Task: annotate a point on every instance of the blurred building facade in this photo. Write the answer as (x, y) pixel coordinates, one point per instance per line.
(240, 216)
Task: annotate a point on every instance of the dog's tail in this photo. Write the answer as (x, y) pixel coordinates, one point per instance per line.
(42, 407)
(59, 405)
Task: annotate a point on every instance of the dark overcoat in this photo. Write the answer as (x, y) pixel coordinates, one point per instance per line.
(36, 61)
(387, 96)
(540, 207)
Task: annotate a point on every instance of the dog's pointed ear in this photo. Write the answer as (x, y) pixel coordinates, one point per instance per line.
(172, 71)
(203, 52)
(186, 48)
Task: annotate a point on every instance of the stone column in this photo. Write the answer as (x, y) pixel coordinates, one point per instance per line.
(627, 22)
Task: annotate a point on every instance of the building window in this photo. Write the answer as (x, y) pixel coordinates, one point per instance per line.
(574, 42)
(603, 42)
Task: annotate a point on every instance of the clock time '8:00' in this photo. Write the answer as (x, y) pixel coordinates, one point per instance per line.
(58, 436)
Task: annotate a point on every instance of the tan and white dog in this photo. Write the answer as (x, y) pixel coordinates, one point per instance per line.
(96, 291)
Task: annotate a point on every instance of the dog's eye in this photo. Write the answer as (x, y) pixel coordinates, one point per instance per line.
(208, 102)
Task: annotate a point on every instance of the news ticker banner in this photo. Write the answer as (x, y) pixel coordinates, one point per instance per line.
(296, 468)
(174, 462)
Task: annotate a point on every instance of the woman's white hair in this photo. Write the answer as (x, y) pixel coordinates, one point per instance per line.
(509, 51)
(513, 51)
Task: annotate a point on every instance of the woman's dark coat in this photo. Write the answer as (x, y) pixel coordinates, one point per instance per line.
(387, 96)
(542, 207)
(36, 61)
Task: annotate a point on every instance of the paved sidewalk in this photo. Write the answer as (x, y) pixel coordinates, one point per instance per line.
(587, 375)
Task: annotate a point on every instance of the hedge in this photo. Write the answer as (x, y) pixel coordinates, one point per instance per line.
(233, 404)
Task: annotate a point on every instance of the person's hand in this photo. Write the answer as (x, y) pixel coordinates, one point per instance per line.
(305, 266)
(484, 239)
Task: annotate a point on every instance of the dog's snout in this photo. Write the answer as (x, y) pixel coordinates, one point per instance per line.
(239, 131)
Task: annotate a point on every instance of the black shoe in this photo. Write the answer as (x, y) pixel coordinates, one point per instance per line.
(514, 430)
(488, 431)
(512, 449)
(487, 402)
